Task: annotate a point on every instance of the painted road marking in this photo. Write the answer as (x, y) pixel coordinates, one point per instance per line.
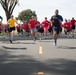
(40, 50)
(40, 39)
(40, 73)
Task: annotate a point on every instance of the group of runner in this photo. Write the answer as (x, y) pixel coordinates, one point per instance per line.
(54, 26)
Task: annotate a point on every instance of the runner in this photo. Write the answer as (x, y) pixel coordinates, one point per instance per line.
(60, 27)
(1, 19)
(50, 28)
(11, 22)
(65, 26)
(32, 25)
(26, 28)
(18, 29)
(5, 29)
(56, 20)
(45, 24)
(73, 21)
(69, 28)
(37, 25)
(0, 28)
(41, 30)
(21, 29)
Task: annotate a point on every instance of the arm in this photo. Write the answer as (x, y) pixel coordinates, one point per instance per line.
(60, 19)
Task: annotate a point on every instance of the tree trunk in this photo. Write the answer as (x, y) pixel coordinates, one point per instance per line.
(8, 6)
(8, 15)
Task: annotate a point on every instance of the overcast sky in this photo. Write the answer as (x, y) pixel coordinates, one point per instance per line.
(67, 8)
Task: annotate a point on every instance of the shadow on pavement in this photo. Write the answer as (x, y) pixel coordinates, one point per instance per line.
(66, 47)
(27, 65)
(24, 43)
(14, 48)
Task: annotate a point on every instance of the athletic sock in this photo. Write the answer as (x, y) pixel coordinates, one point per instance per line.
(55, 42)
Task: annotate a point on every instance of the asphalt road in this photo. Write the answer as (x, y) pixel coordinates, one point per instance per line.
(26, 57)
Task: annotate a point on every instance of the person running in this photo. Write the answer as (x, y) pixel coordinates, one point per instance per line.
(65, 24)
(11, 22)
(41, 30)
(26, 28)
(37, 25)
(69, 28)
(60, 27)
(50, 28)
(18, 29)
(56, 20)
(32, 25)
(5, 29)
(45, 24)
(73, 22)
(1, 19)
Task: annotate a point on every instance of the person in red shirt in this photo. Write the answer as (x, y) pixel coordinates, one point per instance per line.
(32, 25)
(50, 27)
(41, 30)
(26, 28)
(5, 29)
(73, 21)
(65, 26)
(37, 25)
(69, 26)
(60, 27)
(45, 24)
(0, 28)
(18, 29)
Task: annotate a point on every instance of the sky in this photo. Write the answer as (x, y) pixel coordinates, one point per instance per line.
(45, 8)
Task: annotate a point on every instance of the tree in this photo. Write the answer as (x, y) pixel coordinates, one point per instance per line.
(25, 15)
(8, 6)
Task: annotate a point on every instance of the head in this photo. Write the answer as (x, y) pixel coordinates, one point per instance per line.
(72, 18)
(25, 22)
(56, 12)
(45, 18)
(65, 20)
(12, 16)
(33, 17)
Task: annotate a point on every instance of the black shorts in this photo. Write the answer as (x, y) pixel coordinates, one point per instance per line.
(38, 27)
(11, 29)
(60, 29)
(18, 30)
(27, 31)
(5, 30)
(41, 30)
(73, 27)
(57, 29)
(68, 30)
(50, 29)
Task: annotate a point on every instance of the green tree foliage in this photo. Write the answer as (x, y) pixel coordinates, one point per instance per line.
(25, 15)
(8, 6)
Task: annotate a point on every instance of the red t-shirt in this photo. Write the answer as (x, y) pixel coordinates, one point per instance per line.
(73, 22)
(37, 22)
(26, 26)
(65, 25)
(46, 23)
(18, 27)
(33, 23)
(69, 26)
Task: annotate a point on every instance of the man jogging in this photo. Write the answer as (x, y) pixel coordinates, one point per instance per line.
(11, 22)
(56, 20)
